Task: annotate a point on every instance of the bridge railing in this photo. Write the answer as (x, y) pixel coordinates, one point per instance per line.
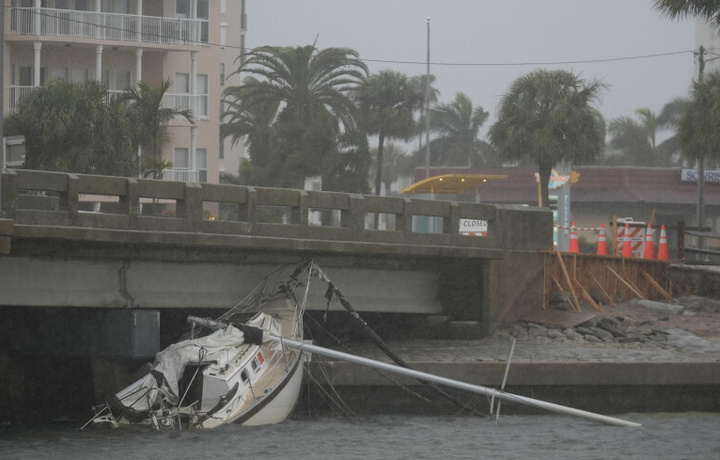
(43, 198)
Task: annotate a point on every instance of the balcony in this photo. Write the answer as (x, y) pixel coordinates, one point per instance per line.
(183, 175)
(197, 104)
(90, 25)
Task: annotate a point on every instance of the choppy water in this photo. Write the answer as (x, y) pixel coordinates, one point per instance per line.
(662, 436)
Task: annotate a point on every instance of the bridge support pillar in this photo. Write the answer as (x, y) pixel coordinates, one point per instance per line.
(12, 388)
(513, 287)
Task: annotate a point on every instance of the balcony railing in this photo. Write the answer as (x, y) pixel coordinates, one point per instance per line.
(181, 175)
(196, 103)
(14, 93)
(105, 26)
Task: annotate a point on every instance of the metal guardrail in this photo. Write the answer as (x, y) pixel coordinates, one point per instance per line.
(52, 199)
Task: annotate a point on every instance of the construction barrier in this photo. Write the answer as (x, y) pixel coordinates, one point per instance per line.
(635, 232)
(574, 245)
(602, 242)
(649, 252)
(627, 247)
(663, 246)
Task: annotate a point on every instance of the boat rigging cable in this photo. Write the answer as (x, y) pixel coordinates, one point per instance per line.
(333, 292)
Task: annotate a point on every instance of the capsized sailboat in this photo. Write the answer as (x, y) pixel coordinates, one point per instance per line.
(227, 371)
(251, 372)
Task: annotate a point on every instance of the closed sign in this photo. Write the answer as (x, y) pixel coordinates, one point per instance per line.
(473, 227)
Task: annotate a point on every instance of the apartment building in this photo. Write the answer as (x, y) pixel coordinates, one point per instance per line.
(120, 42)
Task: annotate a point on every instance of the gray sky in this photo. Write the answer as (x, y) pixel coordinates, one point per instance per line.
(495, 33)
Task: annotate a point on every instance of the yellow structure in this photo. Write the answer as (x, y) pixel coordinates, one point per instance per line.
(451, 184)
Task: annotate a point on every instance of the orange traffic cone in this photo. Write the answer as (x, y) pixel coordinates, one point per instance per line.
(574, 246)
(627, 246)
(602, 242)
(663, 248)
(649, 245)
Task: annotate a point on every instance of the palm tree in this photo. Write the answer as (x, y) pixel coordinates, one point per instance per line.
(395, 164)
(698, 128)
(708, 10)
(304, 79)
(151, 117)
(386, 102)
(74, 127)
(636, 140)
(308, 89)
(253, 123)
(669, 119)
(458, 125)
(547, 115)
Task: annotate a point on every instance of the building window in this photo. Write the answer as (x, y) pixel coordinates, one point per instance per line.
(223, 6)
(182, 91)
(201, 164)
(116, 6)
(122, 80)
(62, 73)
(182, 9)
(222, 74)
(223, 35)
(105, 78)
(181, 158)
(80, 75)
(182, 83)
(203, 13)
(201, 89)
(26, 75)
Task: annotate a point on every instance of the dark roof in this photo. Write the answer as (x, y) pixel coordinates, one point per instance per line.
(596, 184)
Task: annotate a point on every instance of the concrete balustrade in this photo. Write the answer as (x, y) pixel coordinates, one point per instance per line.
(52, 199)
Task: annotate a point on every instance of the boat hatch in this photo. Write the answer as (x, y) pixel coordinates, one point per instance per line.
(190, 384)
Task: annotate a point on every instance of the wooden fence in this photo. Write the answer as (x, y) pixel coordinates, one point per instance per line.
(597, 281)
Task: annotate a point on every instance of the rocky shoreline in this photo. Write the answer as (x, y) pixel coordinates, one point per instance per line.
(676, 324)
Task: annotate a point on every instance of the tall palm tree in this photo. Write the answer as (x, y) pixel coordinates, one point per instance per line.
(386, 102)
(301, 95)
(679, 9)
(253, 123)
(636, 139)
(304, 80)
(669, 119)
(698, 128)
(548, 116)
(151, 116)
(395, 164)
(458, 125)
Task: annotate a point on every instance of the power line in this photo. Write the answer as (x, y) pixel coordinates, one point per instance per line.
(161, 36)
(507, 64)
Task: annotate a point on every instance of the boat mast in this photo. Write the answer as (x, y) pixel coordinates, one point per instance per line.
(451, 383)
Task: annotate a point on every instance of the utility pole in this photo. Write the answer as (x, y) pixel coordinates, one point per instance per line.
(2, 100)
(701, 160)
(427, 106)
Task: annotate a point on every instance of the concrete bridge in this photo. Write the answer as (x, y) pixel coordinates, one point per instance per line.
(95, 266)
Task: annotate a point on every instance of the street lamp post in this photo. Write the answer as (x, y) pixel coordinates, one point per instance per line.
(427, 106)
